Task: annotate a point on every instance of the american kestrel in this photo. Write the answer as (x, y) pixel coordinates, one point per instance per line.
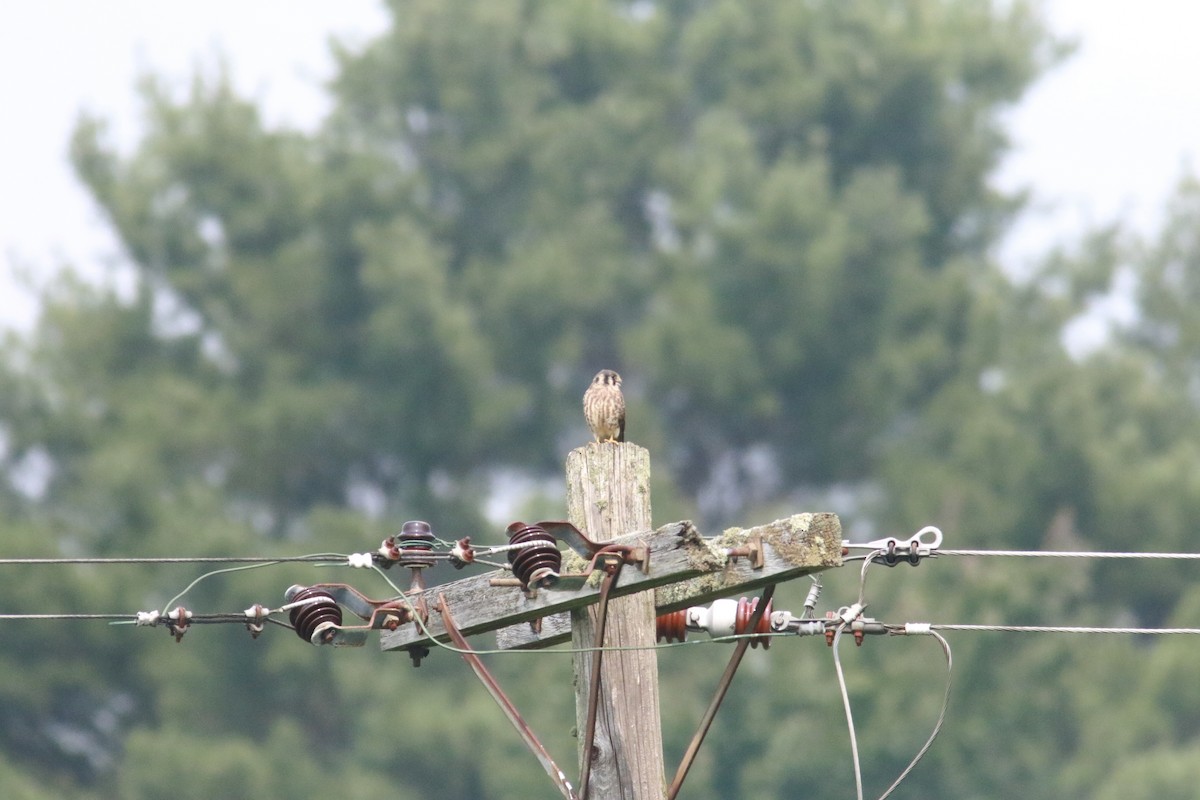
(604, 407)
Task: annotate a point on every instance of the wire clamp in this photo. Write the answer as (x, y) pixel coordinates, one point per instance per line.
(178, 622)
(891, 551)
(256, 618)
(850, 618)
(462, 553)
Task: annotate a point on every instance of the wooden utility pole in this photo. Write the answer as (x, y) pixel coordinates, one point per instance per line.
(608, 494)
(608, 498)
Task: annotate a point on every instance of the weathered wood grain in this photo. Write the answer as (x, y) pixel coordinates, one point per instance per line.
(608, 493)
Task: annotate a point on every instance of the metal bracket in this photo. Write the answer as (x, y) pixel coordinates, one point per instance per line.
(575, 539)
(891, 551)
(600, 557)
(612, 568)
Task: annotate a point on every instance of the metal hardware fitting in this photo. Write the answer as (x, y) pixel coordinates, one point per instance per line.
(922, 544)
(851, 619)
(611, 564)
(753, 550)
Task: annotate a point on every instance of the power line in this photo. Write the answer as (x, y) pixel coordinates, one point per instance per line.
(216, 618)
(66, 616)
(927, 542)
(353, 560)
(1067, 554)
(315, 557)
(1067, 629)
(320, 557)
(326, 558)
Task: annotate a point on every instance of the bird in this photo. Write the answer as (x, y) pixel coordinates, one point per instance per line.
(604, 407)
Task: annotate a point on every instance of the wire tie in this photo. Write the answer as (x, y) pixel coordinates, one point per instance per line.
(850, 613)
(257, 612)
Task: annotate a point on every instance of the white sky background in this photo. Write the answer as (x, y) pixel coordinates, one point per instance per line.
(1109, 134)
(1106, 136)
(60, 57)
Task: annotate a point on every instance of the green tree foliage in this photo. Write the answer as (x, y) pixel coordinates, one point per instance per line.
(775, 220)
(703, 191)
(1039, 448)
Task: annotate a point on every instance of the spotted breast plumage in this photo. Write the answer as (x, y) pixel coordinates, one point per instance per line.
(604, 407)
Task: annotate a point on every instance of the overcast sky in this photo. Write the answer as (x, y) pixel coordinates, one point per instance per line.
(1105, 136)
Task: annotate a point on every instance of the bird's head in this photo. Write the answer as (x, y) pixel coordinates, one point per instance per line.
(606, 377)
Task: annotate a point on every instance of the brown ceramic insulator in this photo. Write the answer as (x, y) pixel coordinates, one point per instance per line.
(672, 627)
(745, 609)
(414, 538)
(535, 562)
(307, 617)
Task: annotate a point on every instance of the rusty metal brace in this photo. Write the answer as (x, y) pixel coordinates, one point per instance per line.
(514, 716)
(735, 660)
(612, 568)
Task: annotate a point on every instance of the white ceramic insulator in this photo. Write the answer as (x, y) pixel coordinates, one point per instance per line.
(721, 619)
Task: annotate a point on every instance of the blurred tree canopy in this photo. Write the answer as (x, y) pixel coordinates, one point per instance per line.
(775, 220)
